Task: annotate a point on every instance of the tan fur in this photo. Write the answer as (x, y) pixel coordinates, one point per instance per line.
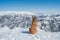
(34, 26)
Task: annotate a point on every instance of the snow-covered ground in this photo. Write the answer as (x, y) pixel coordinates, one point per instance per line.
(15, 26)
(23, 34)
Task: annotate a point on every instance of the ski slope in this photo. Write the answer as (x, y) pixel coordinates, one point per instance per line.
(23, 34)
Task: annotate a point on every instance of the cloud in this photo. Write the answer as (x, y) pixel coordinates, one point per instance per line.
(15, 12)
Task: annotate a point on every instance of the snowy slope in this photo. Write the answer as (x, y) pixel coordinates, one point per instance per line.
(23, 34)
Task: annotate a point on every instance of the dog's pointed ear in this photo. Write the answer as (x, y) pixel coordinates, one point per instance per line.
(34, 18)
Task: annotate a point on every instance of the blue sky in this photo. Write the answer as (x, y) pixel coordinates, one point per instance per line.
(38, 6)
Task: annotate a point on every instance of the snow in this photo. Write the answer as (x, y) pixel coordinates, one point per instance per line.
(14, 25)
(23, 34)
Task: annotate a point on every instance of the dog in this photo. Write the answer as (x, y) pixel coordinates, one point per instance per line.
(34, 26)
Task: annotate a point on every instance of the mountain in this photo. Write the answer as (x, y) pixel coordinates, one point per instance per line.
(16, 19)
(15, 26)
(23, 19)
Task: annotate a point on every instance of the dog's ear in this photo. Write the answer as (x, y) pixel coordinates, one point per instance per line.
(34, 18)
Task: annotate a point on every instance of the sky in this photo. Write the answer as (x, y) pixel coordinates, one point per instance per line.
(37, 6)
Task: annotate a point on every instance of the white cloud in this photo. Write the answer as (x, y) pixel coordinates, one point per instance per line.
(15, 12)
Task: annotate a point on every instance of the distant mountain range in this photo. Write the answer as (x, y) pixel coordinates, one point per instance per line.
(23, 19)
